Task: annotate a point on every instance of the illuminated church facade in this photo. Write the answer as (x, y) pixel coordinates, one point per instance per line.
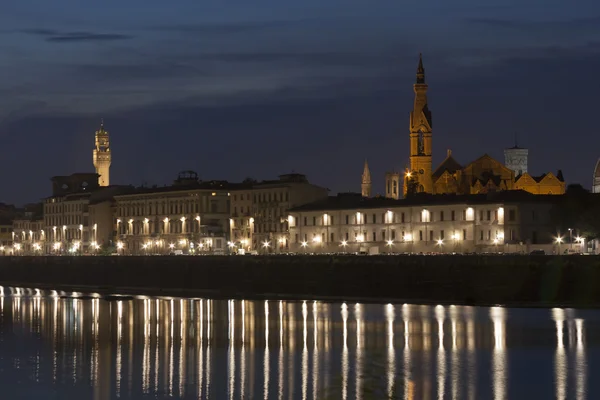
(483, 175)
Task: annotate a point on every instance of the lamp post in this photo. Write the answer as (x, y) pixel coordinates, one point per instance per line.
(559, 240)
(571, 238)
(344, 244)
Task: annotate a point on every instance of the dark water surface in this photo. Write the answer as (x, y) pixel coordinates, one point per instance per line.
(65, 346)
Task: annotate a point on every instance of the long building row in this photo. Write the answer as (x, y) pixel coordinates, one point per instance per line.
(281, 216)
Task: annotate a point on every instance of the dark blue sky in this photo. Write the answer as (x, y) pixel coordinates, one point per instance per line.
(259, 88)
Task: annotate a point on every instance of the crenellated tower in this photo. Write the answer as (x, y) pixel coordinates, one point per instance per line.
(418, 177)
(102, 156)
(366, 181)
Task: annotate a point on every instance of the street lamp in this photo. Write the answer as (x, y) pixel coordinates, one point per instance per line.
(390, 243)
(304, 244)
(559, 240)
(344, 244)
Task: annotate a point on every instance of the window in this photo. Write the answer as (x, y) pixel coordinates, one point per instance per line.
(481, 215)
(512, 234)
(304, 221)
(421, 235)
(481, 235)
(442, 234)
(347, 236)
(332, 237)
(464, 234)
(374, 236)
(431, 236)
(511, 215)
(296, 238)
(496, 215)
(489, 237)
(441, 215)
(331, 220)
(374, 219)
(305, 237)
(393, 234)
(314, 221)
(489, 215)
(402, 217)
(383, 235)
(452, 216)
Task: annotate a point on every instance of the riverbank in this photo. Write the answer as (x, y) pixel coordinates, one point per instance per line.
(543, 281)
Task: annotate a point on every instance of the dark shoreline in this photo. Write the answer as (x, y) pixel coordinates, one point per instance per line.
(511, 281)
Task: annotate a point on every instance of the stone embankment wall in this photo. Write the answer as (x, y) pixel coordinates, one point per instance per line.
(510, 280)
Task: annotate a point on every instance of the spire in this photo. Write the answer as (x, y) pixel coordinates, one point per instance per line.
(365, 186)
(366, 176)
(420, 71)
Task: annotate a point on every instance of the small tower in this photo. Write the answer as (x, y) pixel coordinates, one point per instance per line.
(366, 181)
(392, 185)
(102, 156)
(420, 129)
(596, 181)
(515, 158)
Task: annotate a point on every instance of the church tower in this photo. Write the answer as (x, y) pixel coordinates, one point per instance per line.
(102, 156)
(366, 181)
(418, 177)
(515, 158)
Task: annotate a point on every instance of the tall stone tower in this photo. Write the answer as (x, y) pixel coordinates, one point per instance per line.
(418, 177)
(102, 156)
(392, 185)
(515, 158)
(366, 181)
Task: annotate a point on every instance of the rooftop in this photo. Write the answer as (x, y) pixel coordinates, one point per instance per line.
(352, 201)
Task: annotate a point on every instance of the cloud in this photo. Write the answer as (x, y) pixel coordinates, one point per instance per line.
(530, 25)
(224, 28)
(55, 36)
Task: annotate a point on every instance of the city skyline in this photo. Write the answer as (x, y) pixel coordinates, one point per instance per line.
(232, 91)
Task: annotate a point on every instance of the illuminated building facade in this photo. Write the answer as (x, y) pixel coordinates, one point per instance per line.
(514, 221)
(260, 209)
(190, 216)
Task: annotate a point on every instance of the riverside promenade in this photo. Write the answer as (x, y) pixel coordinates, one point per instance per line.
(529, 281)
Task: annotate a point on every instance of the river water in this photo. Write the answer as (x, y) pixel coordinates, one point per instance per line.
(70, 346)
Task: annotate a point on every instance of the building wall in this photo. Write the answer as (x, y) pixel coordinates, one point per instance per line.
(102, 224)
(66, 224)
(448, 228)
(241, 222)
(29, 236)
(550, 184)
(195, 220)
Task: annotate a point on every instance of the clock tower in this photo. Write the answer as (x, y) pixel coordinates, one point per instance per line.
(418, 177)
(102, 156)
(515, 158)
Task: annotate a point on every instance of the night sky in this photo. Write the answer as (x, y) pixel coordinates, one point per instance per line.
(233, 89)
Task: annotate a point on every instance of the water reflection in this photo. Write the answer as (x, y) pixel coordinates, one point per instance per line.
(84, 347)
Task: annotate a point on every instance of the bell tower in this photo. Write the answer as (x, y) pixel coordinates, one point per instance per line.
(102, 156)
(418, 177)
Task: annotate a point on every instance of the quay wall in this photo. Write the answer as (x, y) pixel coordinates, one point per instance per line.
(548, 281)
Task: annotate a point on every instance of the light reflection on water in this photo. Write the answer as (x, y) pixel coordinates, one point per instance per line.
(86, 347)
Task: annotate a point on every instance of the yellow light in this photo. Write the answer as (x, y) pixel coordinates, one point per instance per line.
(344, 243)
(408, 174)
(131, 221)
(198, 218)
(266, 244)
(360, 238)
(407, 237)
(559, 240)
(213, 194)
(166, 220)
(496, 241)
(182, 242)
(304, 244)
(146, 220)
(281, 240)
(440, 242)
(317, 239)
(17, 246)
(390, 242)
(171, 245)
(182, 219)
(119, 245)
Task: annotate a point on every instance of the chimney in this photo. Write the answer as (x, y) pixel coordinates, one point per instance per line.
(449, 152)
